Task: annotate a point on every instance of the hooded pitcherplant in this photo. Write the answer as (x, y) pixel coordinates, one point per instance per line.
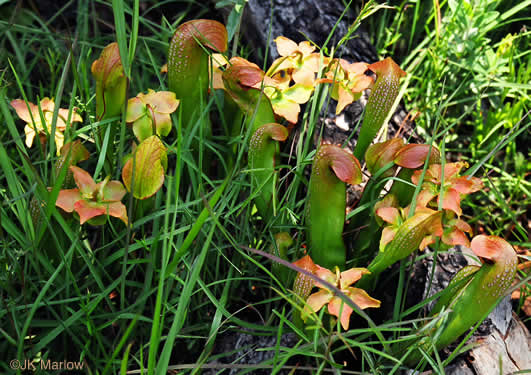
(383, 95)
(450, 188)
(188, 63)
(349, 81)
(341, 280)
(242, 82)
(411, 157)
(189, 58)
(263, 150)
(42, 125)
(469, 297)
(150, 113)
(381, 154)
(405, 235)
(299, 62)
(111, 82)
(111, 94)
(93, 202)
(333, 167)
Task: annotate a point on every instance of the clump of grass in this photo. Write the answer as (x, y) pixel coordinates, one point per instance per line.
(473, 58)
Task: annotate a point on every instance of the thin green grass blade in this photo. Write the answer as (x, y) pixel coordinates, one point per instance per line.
(194, 231)
(184, 299)
(36, 302)
(134, 32)
(119, 347)
(102, 154)
(121, 34)
(125, 360)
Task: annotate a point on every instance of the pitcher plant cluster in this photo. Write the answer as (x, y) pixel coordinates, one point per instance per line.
(421, 208)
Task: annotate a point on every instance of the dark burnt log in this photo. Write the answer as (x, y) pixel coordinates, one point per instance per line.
(301, 20)
(315, 20)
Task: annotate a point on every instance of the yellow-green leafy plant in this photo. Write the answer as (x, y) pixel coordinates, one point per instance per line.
(276, 95)
(390, 224)
(143, 173)
(400, 224)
